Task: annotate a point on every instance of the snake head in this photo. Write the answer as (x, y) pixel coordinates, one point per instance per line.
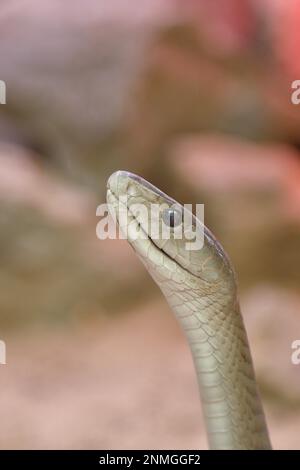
(160, 230)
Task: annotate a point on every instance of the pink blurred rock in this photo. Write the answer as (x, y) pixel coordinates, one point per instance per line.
(22, 181)
(287, 37)
(217, 163)
(229, 25)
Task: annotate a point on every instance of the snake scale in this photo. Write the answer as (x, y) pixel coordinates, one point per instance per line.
(200, 287)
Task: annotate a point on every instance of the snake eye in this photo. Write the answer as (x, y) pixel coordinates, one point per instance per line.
(172, 217)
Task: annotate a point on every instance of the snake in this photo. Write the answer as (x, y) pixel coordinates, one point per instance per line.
(200, 286)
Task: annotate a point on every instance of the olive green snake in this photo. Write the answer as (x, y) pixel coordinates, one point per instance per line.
(200, 287)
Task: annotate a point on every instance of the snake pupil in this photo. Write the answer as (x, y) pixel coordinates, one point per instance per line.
(172, 217)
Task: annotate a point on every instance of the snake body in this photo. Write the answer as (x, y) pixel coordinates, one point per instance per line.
(200, 287)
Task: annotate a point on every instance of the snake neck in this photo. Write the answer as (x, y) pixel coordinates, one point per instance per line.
(217, 338)
(200, 287)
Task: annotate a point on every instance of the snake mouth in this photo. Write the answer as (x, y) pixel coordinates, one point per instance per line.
(140, 227)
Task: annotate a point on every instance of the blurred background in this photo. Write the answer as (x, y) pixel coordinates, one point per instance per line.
(195, 96)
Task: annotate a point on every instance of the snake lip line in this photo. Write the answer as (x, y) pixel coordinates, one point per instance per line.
(139, 225)
(144, 231)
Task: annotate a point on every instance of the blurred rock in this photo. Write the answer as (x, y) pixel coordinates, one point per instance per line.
(69, 71)
(272, 318)
(185, 88)
(222, 163)
(130, 383)
(218, 163)
(234, 26)
(105, 385)
(53, 268)
(249, 194)
(287, 37)
(24, 182)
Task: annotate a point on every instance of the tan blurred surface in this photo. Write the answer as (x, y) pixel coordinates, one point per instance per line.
(130, 383)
